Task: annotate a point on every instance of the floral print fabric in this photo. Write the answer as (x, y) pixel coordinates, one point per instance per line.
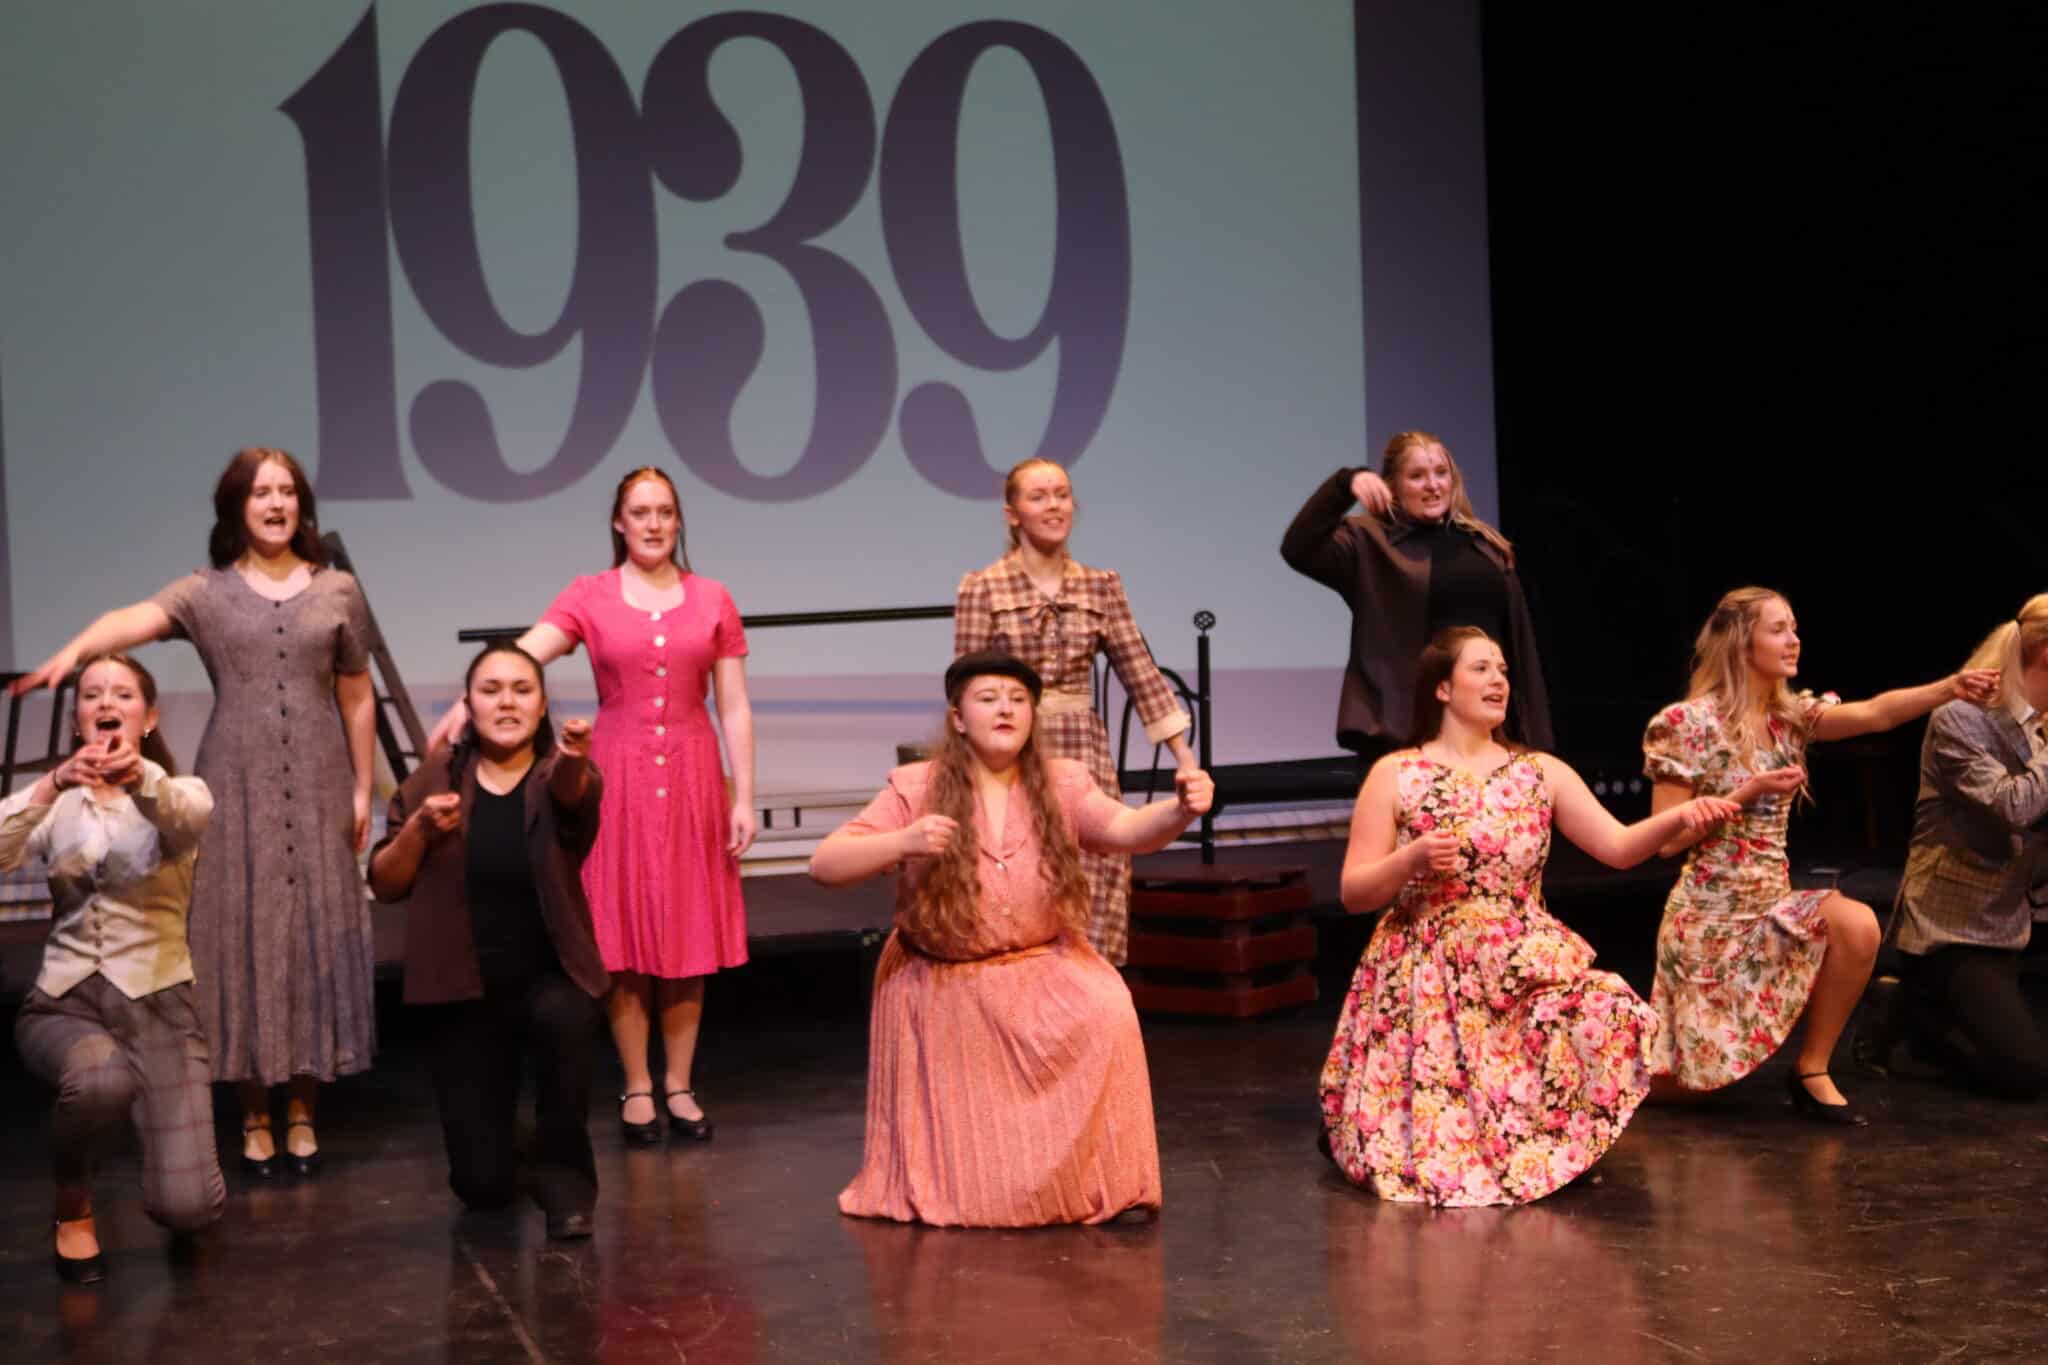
(1480, 1059)
(1738, 949)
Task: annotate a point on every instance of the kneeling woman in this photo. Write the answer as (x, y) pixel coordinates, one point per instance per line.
(111, 1022)
(1006, 1077)
(486, 842)
(1480, 1059)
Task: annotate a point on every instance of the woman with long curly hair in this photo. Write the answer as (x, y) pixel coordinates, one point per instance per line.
(1006, 1078)
(1741, 956)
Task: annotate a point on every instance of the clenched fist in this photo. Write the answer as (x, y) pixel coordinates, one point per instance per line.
(573, 739)
(929, 836)
(437, 815)
(1195, 791)
(1436, 851)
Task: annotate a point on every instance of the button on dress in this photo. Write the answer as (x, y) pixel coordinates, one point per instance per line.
(280, 926)
(664, 893)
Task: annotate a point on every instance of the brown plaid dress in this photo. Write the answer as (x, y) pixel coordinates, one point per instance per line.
(999, 607)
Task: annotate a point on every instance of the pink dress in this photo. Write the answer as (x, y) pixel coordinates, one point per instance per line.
(1006, 1076)
(664, 893)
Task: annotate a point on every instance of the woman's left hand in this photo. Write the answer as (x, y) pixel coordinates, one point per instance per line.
(360, 831)
(742, 836)
(573, 739)
(1975, 685)
(1195, 791)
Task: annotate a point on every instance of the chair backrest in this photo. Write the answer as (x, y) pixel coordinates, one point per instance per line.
(12, 762)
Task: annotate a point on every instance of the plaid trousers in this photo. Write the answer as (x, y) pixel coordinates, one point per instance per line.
(108, 1057)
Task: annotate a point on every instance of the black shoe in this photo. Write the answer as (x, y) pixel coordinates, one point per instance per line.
(696, 1130)
(1323, 1144)
(638, 1134)
(265, 1168)
(79, 1269)
(1809, 1106)
(569, 1227)
(309, 1164)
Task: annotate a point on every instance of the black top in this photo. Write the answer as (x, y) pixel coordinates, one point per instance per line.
(512, 944)
(1465, 587)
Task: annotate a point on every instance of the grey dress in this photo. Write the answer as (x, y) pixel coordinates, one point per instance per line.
(280, 925)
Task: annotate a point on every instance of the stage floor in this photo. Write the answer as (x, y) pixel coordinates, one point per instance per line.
(1728, 1231)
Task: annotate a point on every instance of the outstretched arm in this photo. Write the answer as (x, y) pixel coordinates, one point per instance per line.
(1582, 819)
(1109, 826)
(1889, 710)
(121, 628)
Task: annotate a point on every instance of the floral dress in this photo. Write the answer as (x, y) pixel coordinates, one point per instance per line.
(1480, 1059)
(1739, 949)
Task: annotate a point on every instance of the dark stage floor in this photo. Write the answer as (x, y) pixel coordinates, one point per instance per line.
(1728, 1231)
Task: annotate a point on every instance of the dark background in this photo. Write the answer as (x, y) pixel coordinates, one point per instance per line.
(1768, 308)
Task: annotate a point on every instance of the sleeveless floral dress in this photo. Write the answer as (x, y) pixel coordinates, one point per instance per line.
(1480, 1059)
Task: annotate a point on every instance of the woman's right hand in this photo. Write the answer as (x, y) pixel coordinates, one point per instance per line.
(449, 726)
(1776, 782)
(436, 816)
(1371, 492)
(1435, 852)
(929, 836)
(82, 769)
(54, 670)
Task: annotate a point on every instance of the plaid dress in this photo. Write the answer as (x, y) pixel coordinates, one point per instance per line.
(999, 607)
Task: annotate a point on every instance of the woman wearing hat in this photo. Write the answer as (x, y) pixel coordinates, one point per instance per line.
(1006, 1078)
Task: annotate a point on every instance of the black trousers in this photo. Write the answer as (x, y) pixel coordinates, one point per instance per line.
(480, 1047)
(1967, 1004)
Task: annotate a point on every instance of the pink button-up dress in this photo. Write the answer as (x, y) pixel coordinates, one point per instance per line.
(664, 894)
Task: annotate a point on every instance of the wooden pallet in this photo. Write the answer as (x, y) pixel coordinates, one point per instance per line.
(1228, 941)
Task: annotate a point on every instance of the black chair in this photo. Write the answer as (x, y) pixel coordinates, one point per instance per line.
(11, 762)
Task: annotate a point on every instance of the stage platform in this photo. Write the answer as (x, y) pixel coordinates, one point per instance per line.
(1726, 1231)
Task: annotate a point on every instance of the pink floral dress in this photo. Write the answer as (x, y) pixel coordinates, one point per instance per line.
(1480, 1059)
(1739, 949)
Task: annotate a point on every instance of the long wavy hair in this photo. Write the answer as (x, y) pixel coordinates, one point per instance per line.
(680, 554)
(466, 748)
(948, 902)
(1439, 658)
(1016, 475)
(1722, 672)
(152, 747)
(230, 535)
(1461, 515)
(2014, 645)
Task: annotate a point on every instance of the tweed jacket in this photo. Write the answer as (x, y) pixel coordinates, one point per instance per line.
(1980, 840)
(1384, 577)
(440, 945)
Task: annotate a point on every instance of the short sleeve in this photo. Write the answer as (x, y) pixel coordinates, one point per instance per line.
(352, 642)
(570, 612)
(1812, 706)
(1673, 748)
(180, 600)
(728, 636)
(893, 807)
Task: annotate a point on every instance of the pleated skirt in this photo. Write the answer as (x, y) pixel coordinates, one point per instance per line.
(1005, 1092)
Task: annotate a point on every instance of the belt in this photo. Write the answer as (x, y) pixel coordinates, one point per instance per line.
(1053, 703)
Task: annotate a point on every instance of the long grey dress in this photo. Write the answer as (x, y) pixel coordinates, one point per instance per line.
(280, 927)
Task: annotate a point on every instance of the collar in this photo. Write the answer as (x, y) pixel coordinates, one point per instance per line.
(2023, 713)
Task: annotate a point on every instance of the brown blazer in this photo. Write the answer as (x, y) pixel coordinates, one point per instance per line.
(440, 949)
(1385, 580)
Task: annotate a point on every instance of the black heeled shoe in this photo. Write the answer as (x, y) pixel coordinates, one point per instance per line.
(638, 1134)
(696, 1130)
(78, 1269)
(307, 1164)
(1809, 1106)
(263, 1168)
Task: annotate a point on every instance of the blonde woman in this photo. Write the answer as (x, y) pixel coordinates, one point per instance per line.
(1006, 1076)
(1741, 956)
(1417, 563)
(1978, 870)
(1042, 605)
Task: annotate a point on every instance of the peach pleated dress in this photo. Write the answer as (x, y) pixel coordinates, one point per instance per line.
(1006, 1076)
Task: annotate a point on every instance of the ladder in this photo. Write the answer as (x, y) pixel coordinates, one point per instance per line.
(388, 686)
